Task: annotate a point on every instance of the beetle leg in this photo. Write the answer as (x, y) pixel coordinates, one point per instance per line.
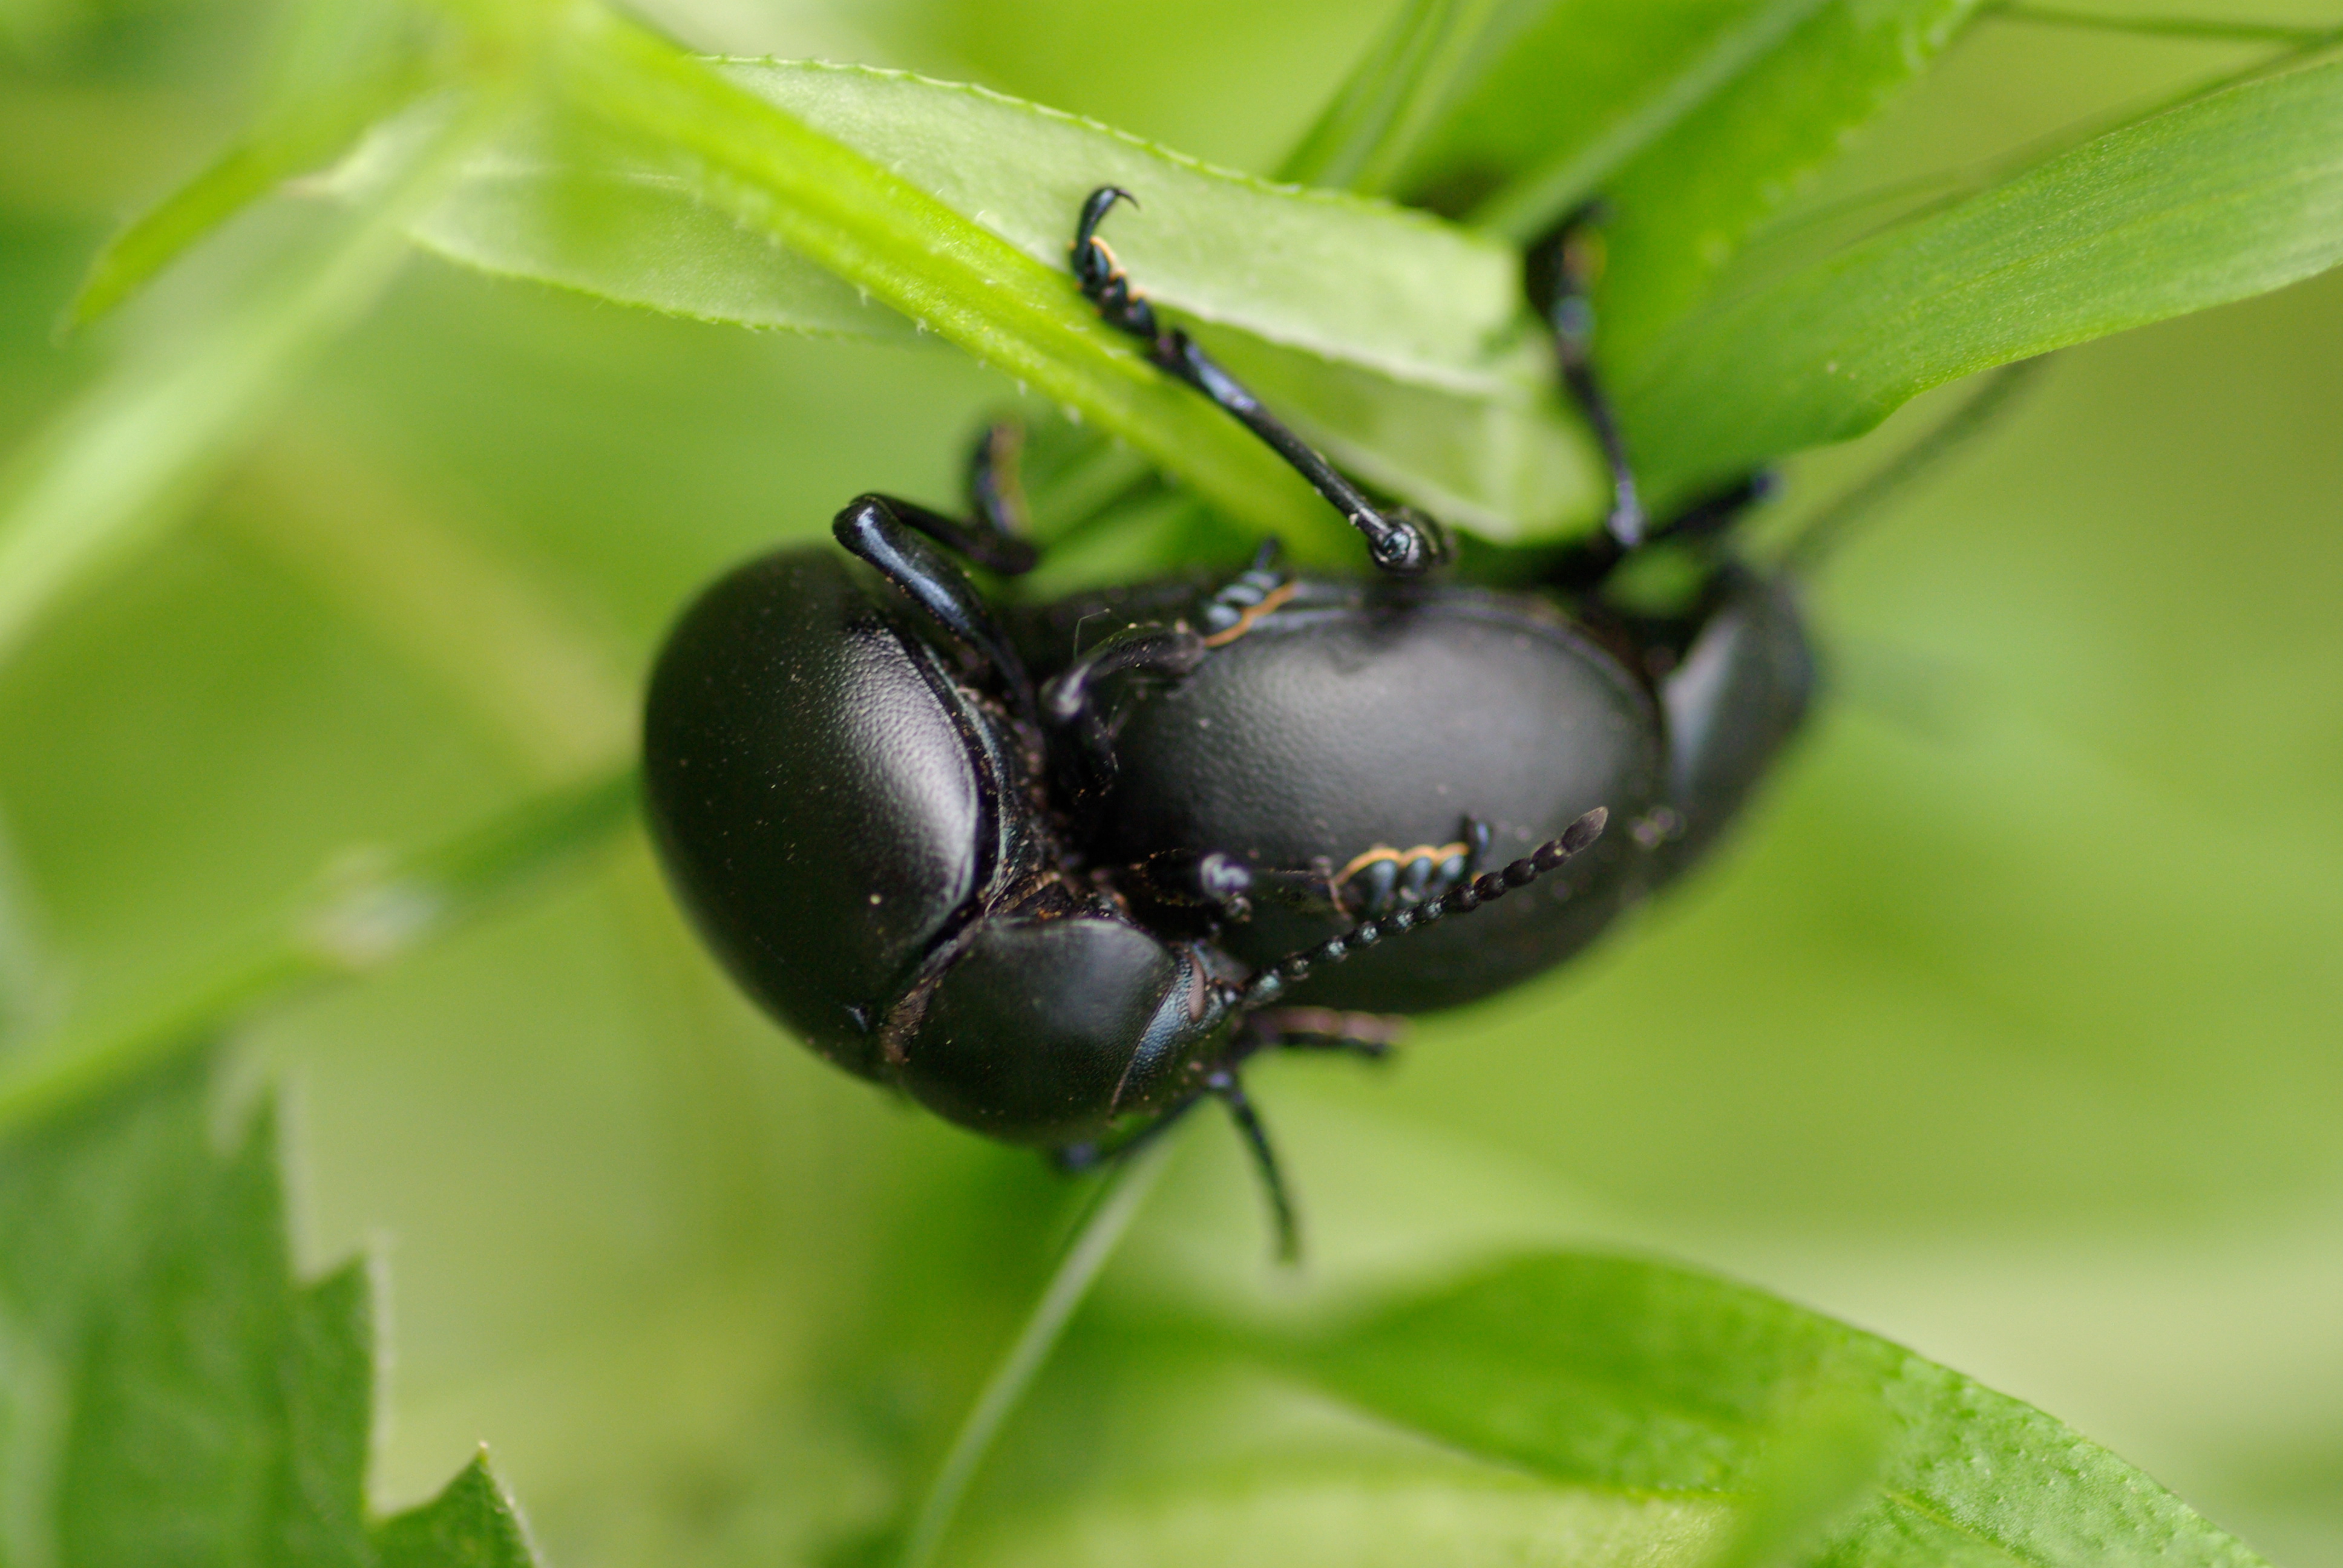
(1191, 879)
(1069, 699)
(1222, 1084)
(1561, 273)
(872, 528)
(1383, 878)
(1369, 1034)
(1077, 1157)
(1475, 835)
(1309, 889)
(996, 496)
(1714, 512)
(996, 486)
(1400, 539)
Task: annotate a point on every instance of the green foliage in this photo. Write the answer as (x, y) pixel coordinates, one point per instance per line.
(171, 1394)
(1405, 342)
(381, 544)
(2217, 199)
(1644, 1379)
(358, 924)
(1691, 119)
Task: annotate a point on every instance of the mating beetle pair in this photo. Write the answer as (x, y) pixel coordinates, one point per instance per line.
(1057, 870)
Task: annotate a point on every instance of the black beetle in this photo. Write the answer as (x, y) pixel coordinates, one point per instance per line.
(1058, 893)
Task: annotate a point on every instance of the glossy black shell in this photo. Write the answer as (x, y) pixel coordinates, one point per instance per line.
(855, 831)
(1361, 716)
(1732, 702)
(825, 797)
(1379, 718)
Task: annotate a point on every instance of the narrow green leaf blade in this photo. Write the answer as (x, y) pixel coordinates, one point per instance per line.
(117, 466)
(1388, 105)
(1354, 281)
(584, 207)
(1691, 120)
(855, 218)
(1685, 202)
(472, 1523)
(1412, 317)
(1628, 1375)
(2229, 195)
(303, 137)
(1565, 92)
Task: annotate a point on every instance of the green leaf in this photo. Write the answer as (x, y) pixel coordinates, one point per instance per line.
(2229, 195)
(564, 201)
(1540, 100)
(1358, 282)
(1687, 197)
(857, 219)
(1408, 318)
(361, 921)
(117, 466)
(167, 1393)
(1396, 94)
(1502, 466)
(1692, 119)
(1648, 1379)
(470, 1524)
(304, 135)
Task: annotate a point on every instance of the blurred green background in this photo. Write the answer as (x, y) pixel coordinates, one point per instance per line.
(2008, 1029)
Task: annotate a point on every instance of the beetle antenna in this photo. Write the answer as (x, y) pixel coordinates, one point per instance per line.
(1269, 984)
(1222, 1085)
(1994, 396)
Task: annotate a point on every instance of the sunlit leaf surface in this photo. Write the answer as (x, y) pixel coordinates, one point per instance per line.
(2230, 196)
(171, 1393)
(1415, 325)
(1645, 1379)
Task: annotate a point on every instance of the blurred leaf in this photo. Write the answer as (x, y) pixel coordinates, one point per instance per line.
(938, 266)
(1779, 95)
(339, 95)
(167, 1393)
(470, 1524)
(28, 982)
(2229, 195)
(411, 565)
(372, 912)
(1384, 110)
(1692, 119)
(114, 467)
(1390, 1516)
(1639, 1377)
(1821, 1467)
(1413, 321)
